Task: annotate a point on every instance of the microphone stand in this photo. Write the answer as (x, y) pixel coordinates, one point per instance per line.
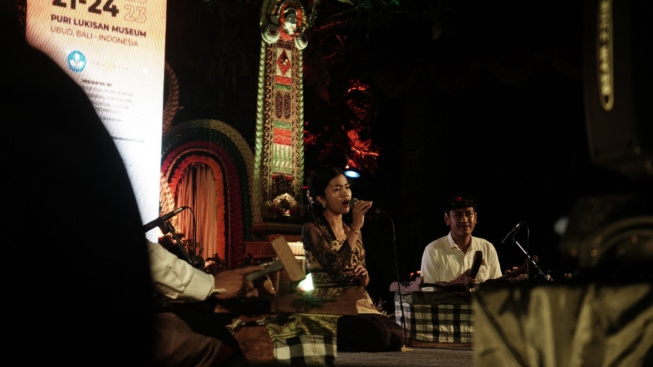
(171, 229)
(531, 261)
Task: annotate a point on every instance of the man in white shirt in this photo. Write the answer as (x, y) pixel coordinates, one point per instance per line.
(450, 258)
(177, 279)
(187, 336)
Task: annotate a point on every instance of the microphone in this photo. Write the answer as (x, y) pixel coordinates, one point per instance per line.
(512, 233)
(197, 261)
(162, 219)
(372, 210)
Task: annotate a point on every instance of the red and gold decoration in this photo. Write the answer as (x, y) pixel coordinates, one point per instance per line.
(279, 152)
(363, 153)
(206, 165)
(351, 136)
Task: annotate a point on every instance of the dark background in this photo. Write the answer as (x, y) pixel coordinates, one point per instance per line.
(480, 96)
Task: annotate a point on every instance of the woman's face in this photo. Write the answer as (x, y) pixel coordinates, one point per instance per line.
(337, 195)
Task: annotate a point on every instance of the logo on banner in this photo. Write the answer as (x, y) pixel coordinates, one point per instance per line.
(76, 61)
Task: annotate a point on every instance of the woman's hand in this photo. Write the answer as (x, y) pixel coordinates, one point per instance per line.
(358, 213)
(362, 275)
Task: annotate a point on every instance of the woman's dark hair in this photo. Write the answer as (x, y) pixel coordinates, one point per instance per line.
(317, 184)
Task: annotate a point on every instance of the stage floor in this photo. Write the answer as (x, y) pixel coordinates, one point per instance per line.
(418, 357)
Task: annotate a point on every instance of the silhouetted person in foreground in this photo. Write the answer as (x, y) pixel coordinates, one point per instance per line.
(76, 273)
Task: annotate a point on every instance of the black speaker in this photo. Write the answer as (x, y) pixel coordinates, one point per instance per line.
(618, 85)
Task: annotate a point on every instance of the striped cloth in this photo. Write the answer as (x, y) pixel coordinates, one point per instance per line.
(306, 350)
(289, 339)
(436, 316)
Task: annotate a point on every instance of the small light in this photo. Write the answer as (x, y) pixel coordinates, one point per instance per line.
(352, 172)
(306, 285)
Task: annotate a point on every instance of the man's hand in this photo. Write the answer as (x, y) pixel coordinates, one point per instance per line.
(464, 278)
(234, 283)
(516, 274)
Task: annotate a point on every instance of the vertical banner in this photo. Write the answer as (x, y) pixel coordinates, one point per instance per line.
(115, 50)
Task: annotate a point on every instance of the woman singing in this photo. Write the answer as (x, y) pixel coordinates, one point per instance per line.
(335, 257)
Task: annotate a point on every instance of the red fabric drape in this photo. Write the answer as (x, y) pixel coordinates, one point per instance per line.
(202, 189)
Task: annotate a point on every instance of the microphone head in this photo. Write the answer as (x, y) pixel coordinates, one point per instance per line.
(197, 262)
(372, 210)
